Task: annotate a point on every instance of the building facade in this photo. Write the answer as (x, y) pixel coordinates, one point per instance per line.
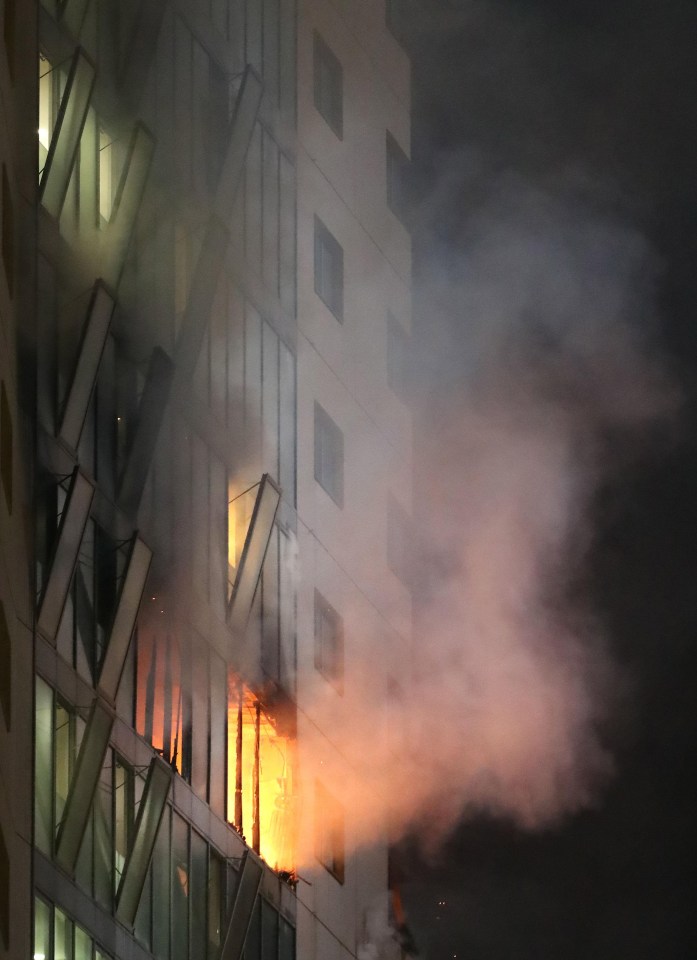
(205, 306)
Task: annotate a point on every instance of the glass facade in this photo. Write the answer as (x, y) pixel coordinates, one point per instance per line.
(136, 128)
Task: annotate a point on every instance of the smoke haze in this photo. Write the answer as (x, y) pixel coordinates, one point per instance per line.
(537, 377)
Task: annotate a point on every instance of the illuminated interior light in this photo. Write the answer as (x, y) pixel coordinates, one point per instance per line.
(44, 141)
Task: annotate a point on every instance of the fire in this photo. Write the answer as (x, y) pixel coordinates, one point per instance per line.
(261, 801)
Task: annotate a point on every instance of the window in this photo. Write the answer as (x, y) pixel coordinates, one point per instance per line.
(397, 164)
(6, 446)
(329, 270)
(400, 541)
(329, 456)
(329, 86)
(329, 832)
(329, 642)
(8, 232)
(57, 936)
(398, 372)
(261, 801)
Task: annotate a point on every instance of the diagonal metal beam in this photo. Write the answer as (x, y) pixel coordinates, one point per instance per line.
(129, 194)
(152, 807)
(94, 336)
(253, 553)
(141, 50)
(242, 908)
(83, 785)
(67, 132)
(150, 415)
(130, 595)
(72, 526)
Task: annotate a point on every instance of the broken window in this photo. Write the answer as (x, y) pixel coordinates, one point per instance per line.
(261, 801)
(163, 699)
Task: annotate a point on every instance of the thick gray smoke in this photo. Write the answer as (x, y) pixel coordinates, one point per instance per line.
(537, 378)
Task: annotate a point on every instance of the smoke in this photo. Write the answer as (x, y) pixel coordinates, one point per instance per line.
(538, 377)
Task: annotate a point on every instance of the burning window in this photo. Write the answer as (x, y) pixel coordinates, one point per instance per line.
(329, 832)
(261, 801)
(159, 701)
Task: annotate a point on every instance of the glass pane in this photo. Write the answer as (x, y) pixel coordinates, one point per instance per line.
(199, 883)
(43, 831)
(83, 944)
(103, 886)
(180, 888)
(63, 937)
(252, 945)
(215, 904)
(286, 941)
(64, 747)
(42, 930)
(160, 896)
(269, 932)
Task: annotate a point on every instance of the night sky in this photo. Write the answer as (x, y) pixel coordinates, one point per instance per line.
(610, 89)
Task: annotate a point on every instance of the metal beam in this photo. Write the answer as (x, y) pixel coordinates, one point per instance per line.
(150, 414)
(129, 194)
(89, 357)
(242, 908)
(130, 595)
(65, 140)
(83, 785)
(255, 546)
(141, 50)
(72, 526)
(152, 807)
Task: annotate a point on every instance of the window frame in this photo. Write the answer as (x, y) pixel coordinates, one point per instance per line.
(329, 455)
(329, 655)
(328, 84)
(328, 269)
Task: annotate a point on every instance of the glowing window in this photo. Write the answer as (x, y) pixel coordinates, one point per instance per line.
(106, 178)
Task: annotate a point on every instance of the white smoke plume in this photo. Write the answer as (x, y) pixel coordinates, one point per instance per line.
(540, 379)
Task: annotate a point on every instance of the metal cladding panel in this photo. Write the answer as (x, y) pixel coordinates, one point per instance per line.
(242, 908)
(201, 296)
(255, 546)
(117, 236)
(150, 415)
(141, 50)
(130, 596)
(147, 825)
(67, 132)
(83, 785)
(85, 374)
(72, 526)
(241, 127)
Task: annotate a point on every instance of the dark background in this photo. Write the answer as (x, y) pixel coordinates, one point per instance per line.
(537, 86)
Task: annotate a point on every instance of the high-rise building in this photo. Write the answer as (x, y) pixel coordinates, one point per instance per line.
(204, 474)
